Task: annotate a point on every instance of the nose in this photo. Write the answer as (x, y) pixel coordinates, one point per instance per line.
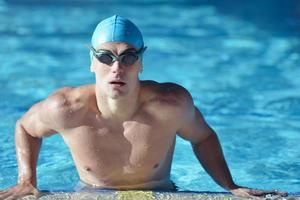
(117, 67)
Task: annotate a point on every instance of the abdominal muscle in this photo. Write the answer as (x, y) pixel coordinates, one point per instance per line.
(145, 176)
(151, 172)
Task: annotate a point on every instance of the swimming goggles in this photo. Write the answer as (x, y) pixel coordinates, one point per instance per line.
(126, 58)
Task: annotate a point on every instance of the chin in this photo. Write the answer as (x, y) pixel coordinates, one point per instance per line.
(115, 94)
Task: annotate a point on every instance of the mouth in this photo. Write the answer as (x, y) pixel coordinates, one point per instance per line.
(117, 83)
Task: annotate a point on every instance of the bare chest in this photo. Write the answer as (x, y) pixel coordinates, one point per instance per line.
(135, 146)
(127, 138)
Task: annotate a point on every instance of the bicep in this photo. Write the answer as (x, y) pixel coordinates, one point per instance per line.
(48, 116)
(194, 128)
(36, 121)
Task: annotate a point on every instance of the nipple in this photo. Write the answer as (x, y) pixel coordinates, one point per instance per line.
(156, 165)
(86, 168)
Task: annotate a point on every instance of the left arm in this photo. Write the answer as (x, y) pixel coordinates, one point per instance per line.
(210, 155)
(208, 150)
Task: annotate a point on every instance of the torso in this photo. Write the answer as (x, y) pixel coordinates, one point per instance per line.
(135, 153)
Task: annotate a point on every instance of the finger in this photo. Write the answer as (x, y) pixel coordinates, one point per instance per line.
(241, 193)
(36, 193)
(19, 196)
(260, 194)
(274, 192)
(3, 191)
(257, 197)
(281, 193)
(12, 198)
(5, 196)
(267, 192)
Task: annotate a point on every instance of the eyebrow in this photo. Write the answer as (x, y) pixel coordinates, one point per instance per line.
(125, 51)
(130, 49)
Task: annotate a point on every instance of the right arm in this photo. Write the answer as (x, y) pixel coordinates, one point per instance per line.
(42, 120)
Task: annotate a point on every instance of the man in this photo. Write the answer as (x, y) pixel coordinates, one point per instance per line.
(120, 131)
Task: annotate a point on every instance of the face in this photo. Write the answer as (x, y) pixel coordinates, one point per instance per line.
(116, 79)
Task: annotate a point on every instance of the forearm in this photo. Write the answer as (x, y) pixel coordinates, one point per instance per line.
(210, 155)
(27, 151)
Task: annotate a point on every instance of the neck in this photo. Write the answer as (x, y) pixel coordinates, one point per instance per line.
(118, 109)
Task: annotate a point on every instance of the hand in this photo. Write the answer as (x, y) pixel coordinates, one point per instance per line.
(248, 192)
(19, 191)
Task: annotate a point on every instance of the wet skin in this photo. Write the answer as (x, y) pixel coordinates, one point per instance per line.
(136, 152)
(120, 131)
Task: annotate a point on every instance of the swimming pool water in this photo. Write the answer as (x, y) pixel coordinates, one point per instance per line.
(241, 63)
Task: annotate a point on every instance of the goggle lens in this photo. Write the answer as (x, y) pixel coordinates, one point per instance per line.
(108, 58)
(105, 58)
(129, 59)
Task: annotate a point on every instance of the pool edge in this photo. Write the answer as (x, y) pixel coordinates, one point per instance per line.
(147, 195)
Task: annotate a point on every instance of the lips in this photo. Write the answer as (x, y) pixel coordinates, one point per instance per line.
(117, 83)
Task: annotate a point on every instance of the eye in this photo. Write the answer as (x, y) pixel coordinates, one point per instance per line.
(129, 59)
(105, 58)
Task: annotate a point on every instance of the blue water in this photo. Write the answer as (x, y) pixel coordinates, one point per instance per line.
(240, 61)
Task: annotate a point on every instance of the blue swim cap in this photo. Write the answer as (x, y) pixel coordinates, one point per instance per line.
(117, 29)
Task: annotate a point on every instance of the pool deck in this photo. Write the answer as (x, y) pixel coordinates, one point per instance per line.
(146, 195)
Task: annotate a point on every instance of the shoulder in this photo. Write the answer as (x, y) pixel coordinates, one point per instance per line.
(58, 112)
(169, 93)
(171, 98)
(67, 98)
(66, 104)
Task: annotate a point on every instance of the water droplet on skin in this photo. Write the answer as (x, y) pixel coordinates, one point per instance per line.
(70, 112)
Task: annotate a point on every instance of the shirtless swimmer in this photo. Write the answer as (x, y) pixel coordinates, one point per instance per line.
(120, 131)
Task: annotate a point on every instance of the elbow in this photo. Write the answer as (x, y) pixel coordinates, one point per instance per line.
(19, 125)
(206, 139)
(21, 131)
(19, 122)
